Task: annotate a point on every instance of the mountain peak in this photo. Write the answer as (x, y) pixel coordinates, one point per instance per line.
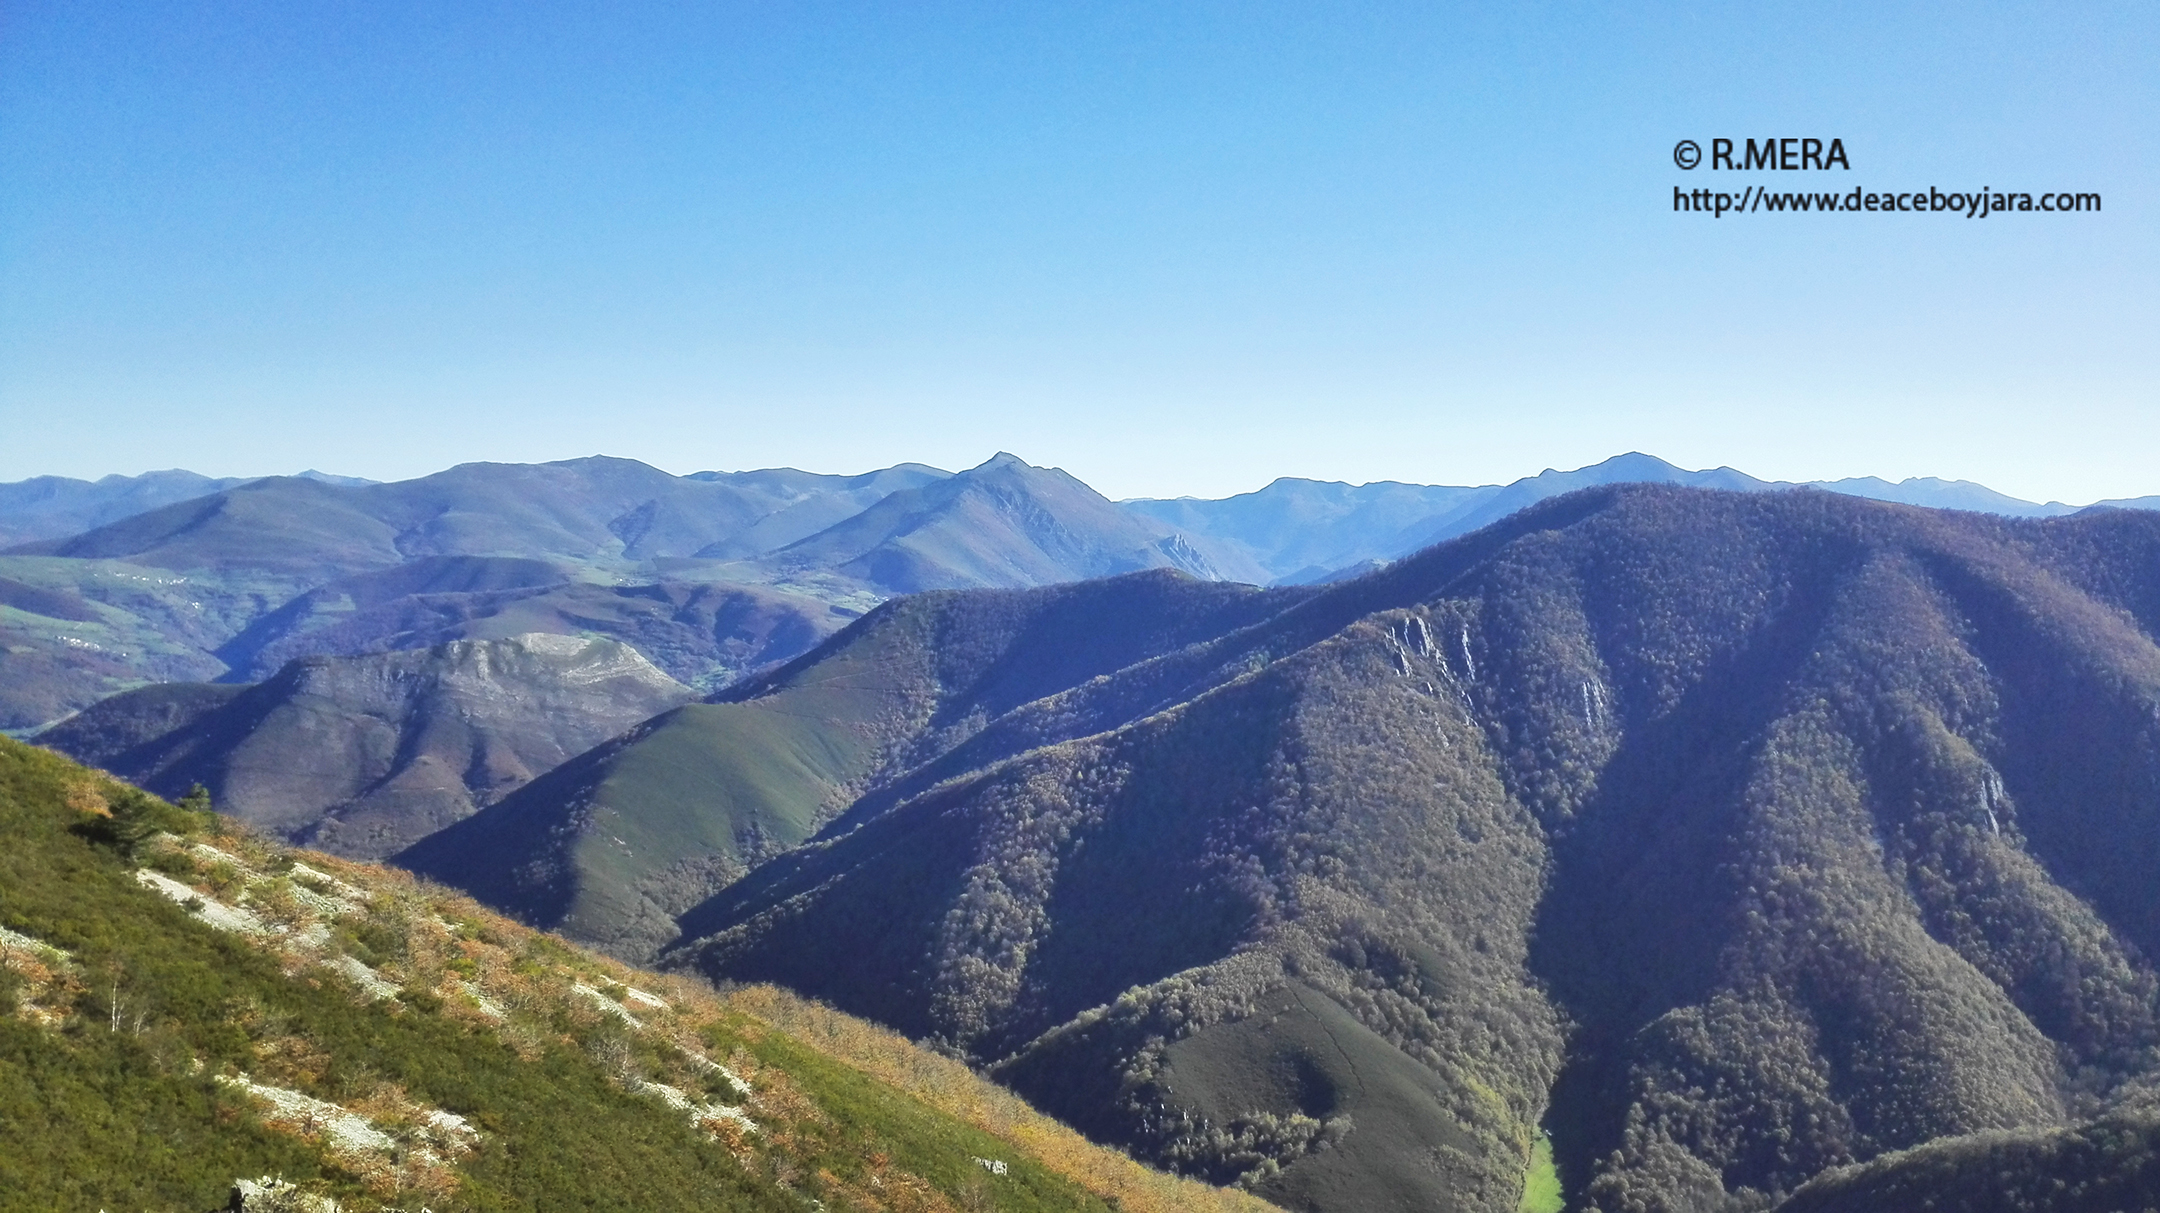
(1637, 460)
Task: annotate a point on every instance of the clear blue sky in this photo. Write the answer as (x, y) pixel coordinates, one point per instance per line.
(1173, 248)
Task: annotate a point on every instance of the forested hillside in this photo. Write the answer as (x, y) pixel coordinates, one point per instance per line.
(612, 845)
(1731, 839)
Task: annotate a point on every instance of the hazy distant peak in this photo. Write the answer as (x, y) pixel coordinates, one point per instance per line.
(115, 478)
(2117, 503)
(916, 469)
(1634, 463)
(588, 461)
(1942, 494)
(1005, 467)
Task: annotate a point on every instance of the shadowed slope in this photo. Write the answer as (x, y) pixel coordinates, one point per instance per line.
(2111, 1164)
(1821, 820)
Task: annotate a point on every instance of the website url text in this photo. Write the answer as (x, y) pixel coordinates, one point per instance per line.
(1974, 205)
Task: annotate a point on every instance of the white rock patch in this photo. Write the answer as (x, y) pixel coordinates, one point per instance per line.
(344, 1130)
(709, 1066)
(209, 854)
(334, 886)
(272, 1195)
(608, 1004)
(214, 913)
(440, 1134)
(376, 985)
(699, 1113)
(45, 953)
(323, 903)
(488, 1006)
(452, 1127)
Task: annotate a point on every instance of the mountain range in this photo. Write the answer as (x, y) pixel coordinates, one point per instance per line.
(1733, 839)
(710, 576)
(51, 507)
(1311, 530)
(1627, 838)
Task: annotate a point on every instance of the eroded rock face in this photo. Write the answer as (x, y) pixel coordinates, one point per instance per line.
(361, 756)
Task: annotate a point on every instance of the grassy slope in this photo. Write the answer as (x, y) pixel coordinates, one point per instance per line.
(121, 1107)
(726, 780)
(1541, 1185)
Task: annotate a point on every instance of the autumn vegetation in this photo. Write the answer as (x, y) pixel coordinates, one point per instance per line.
(151, 1058)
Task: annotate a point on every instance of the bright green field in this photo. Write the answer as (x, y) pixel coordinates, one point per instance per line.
(1541, 1183)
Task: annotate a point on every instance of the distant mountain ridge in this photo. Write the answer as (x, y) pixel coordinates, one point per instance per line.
(1292, 530)
(1004, 523)
(231, 583)
(711, 575)
(1307, 531)
(51, 507)
(598, 508)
